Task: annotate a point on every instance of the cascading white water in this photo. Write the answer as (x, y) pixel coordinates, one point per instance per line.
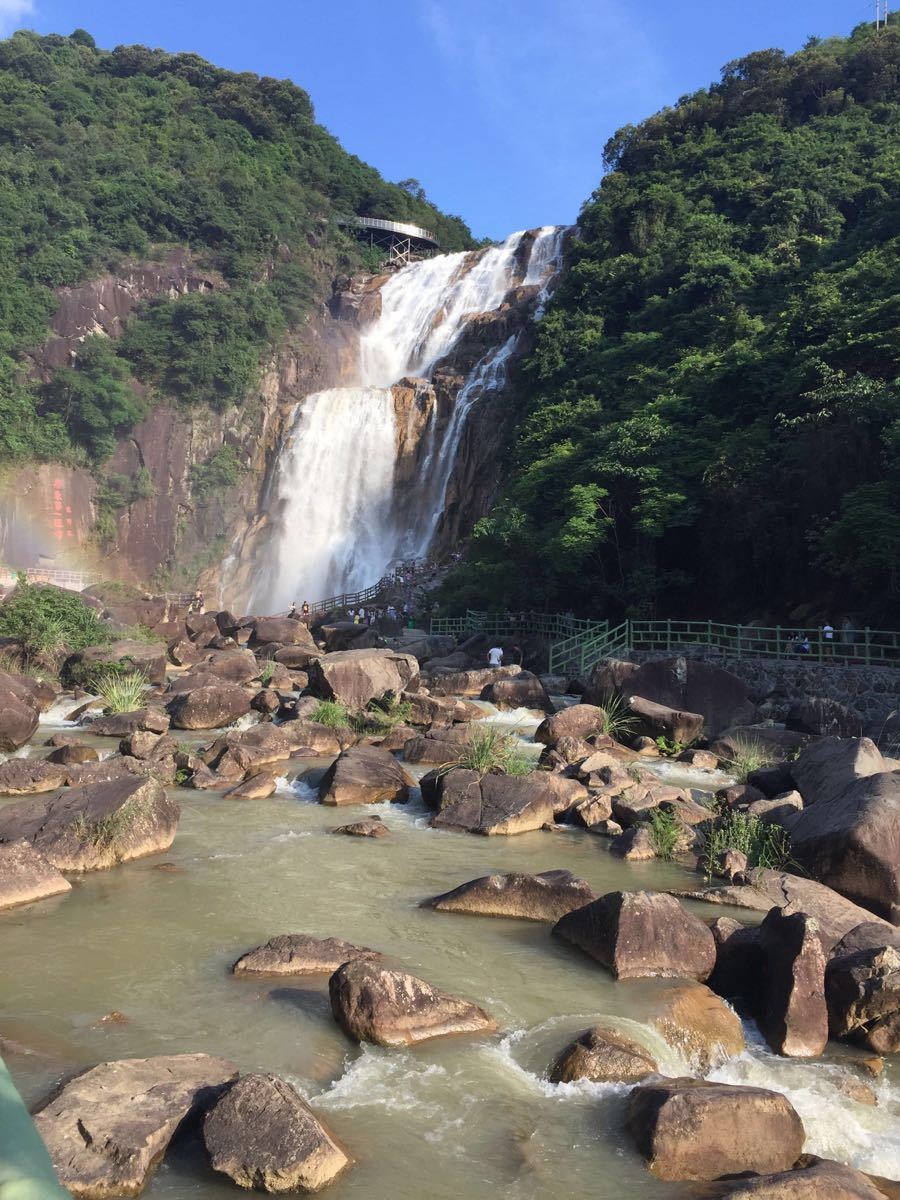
(336, 528)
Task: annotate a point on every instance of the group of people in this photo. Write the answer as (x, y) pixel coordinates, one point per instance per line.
(302, 613)
(368, 616)
(803, 645)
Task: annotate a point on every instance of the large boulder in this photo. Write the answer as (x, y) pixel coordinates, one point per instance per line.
(90, 828)
(691, 1129)
(140, 720)
(365, 775)
(107, 1128)
(817, 1178)
(26, 875)
(300, 954)
(20, 709)
(544, 897)
(824, 717)
(655, 720)
(603, 1055)
(863, 993)
(835, 915)
(826, 769)
(524, 691)
(147, 657)
(695, 1022)
(792, 1013)
(468, 683)
(492, 804)
(739, 969)
(691, 685)
(639, 934)
(209, 707)
(354, 677)
(851, 842)
(372, 1003)
(286, 631)
(439, 710)
(577, 721)
(262, 1134)
(30, 776)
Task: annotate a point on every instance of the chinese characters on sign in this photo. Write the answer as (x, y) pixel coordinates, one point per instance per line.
(62, 522)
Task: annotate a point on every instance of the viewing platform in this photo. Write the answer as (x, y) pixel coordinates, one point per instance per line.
(403, 242)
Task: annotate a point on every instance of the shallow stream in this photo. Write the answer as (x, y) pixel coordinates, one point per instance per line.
(154, 940)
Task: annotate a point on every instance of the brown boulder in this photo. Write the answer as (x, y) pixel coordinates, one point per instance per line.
(26, 876)
(524, 691)
(73, 755)
(372, 1003)
(300, 954)
(257, 787)
(492, 804)
(431, 750)
(90, 828)
(209, 707)
(812, 1179)
(262, 1134)
(792, 1014)
(20, 711)
(107, 1128)
(147, 657)
(577, 721)
(30, 776)
(146, 720)
(739, 965)
(354, 677)
(603, 1055)
(368, 827)
(696, 1023)
(690, 685)
(827, 768)
(439, 710)
(544, 897)
(863, 994)
(640, 934)
(365, 775)
(183, 652)
(690, 1129)
(652, 720)
(468, 683)
(286, 631)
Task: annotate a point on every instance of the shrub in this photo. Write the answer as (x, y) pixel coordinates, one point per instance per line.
(332, 714)
(764, 843)
(44, 618)
(666, 832)
(119, 692)
(492, 749)
(381, 716)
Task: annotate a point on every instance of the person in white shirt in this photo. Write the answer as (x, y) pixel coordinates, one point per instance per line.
(495, 656)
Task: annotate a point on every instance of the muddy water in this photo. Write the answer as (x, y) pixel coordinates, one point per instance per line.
(459, 1118)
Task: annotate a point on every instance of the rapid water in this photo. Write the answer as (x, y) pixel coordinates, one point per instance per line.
(336, 526)
(464, 1117)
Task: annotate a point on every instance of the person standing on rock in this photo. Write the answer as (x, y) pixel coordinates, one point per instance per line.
(305, 609)
(828, 637)
(292, 611)
(495, 656)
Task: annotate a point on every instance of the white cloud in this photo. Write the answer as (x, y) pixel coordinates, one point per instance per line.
(12, 13)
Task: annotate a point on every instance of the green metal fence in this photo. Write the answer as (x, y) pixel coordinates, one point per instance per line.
(578, 644)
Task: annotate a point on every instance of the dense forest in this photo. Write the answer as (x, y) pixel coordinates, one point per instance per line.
(107, 157)
(710, 418)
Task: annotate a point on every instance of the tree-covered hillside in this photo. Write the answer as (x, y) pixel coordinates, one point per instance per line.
(710, 419)
(109, 156)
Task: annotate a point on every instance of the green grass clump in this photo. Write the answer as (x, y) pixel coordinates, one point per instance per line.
(765, 844)
(492, 749)
(119, 692)
(666, 833)
(45, 619)
(617, 722)
(332, 714)
(268, 670)
(383, 715)
(749, 756)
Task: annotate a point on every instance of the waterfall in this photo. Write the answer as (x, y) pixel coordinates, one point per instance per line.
(335, 527)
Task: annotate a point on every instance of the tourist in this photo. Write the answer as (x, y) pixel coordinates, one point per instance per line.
(828, 637)
(198, 605)
(351, 615)
(292, 611)
(305, 609)
(495, 656)
(518, 655)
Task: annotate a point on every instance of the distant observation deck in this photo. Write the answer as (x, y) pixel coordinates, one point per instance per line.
(402, 242)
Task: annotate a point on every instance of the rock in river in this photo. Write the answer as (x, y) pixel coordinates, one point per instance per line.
(492, 804)
(695, 1022)
(368, 827)
(209, 707)
(792, 1013)
(603, 1055)
(544, 897)
(373, 1003)
(354, 677)
(90, 828)
(365, 775)
(25, 876)
(262, 1134)
(817, 1178)
(108, 1127)
(300, 954)
(639, 934)
(690, 1129)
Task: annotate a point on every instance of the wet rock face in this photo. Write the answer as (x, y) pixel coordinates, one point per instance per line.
(603, 1055)
(696, 1023)
(365, 775)
(690, 1129)
(209, 707)
(25, 876)
(641, 934)
(544, 897)
(90, 828)
(792, 1013)
(300, 954)
(262, 1134)
(107, 1128)
(354, 677)
(372, 1003)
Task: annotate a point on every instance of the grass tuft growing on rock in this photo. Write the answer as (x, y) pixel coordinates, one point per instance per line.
(666, 833)
(617, 722)
(119, 692)
(381, 716)
(765, 844)
(492, 749)
(331, 713)
(749, 756)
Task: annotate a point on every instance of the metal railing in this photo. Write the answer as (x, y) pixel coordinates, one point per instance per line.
(578, 644)
(389, 582)
(400, 227)
(73, 581)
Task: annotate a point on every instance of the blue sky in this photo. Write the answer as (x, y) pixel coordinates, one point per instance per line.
(500, 107)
